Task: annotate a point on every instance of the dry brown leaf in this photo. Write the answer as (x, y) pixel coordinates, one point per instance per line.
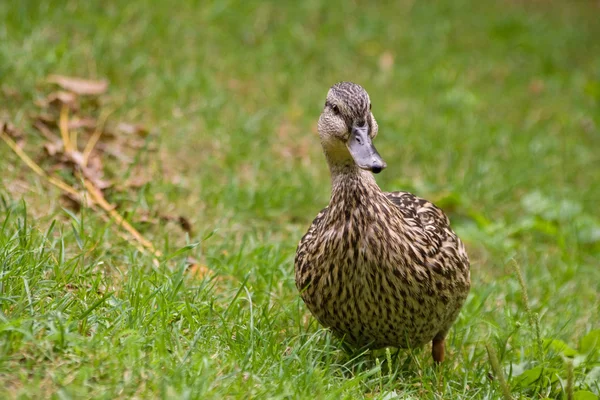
(108, 135)
(45, 131)
(10, 130)
(61, 97)
(53, 148)
(93, 172)
(136, 182)
(95, 162)
(182, 221)
(85, 122)
(48, 119)
(137, 144)
(185, 224)
(144, 216)
(132, 129)
(128, 138)
(10, 92)
(71, 287)
(76, 158)
(71, 202)
(197, 270)
(13, 132)
(79, 85)
(17, 187)
(114, 152)
(96, 178)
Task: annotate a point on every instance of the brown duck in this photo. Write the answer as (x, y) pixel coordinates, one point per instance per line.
(379, 269)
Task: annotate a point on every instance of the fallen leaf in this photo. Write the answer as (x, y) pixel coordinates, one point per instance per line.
(79, 85)
(76, 157)
(125, 139)
(71, 202)
(71, 287)
(93, 172)
(95, 177)
(95, 162)
(13, 132)
(185, 224)
(10, 92)
(136, 182)
(47, 119)
(182, 221)
(62, 97)
(131, 129)
(45, 131)
(197, 270)
(86, 122)
(53, 148)
(116, 153)
(10, 130)
(144, 216)
(17, 187)
(137, 144)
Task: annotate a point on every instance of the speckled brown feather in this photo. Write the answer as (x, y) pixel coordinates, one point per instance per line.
(381, 269)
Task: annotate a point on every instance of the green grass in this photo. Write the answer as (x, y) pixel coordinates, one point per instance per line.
(491, 109)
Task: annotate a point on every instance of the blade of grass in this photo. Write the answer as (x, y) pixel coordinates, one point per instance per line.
(95, 305)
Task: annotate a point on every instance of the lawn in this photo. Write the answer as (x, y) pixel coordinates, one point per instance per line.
(489, 109)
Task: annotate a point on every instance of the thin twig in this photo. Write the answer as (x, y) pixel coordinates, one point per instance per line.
(36, 168)
(64, 128)
(99, 199)
(89, 147)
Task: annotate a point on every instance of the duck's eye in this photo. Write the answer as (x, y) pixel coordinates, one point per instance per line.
(335, 109)
(370, 106)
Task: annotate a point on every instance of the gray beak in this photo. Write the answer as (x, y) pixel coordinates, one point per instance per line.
(362, 150)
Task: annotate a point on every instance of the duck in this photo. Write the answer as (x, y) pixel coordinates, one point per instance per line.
(378, 269)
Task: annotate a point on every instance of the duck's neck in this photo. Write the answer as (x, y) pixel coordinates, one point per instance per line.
(351, 185)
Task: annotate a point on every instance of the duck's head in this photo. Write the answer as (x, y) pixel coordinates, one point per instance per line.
(347, 128)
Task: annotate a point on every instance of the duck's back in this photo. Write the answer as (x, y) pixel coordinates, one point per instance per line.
(389, 273)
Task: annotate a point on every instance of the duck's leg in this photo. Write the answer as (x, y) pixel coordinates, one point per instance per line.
(438, 346)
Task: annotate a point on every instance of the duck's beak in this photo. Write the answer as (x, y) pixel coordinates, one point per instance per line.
(362, 150)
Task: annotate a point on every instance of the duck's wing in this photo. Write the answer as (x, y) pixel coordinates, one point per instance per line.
(420, 210)
(425, 216)
(443, 252)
